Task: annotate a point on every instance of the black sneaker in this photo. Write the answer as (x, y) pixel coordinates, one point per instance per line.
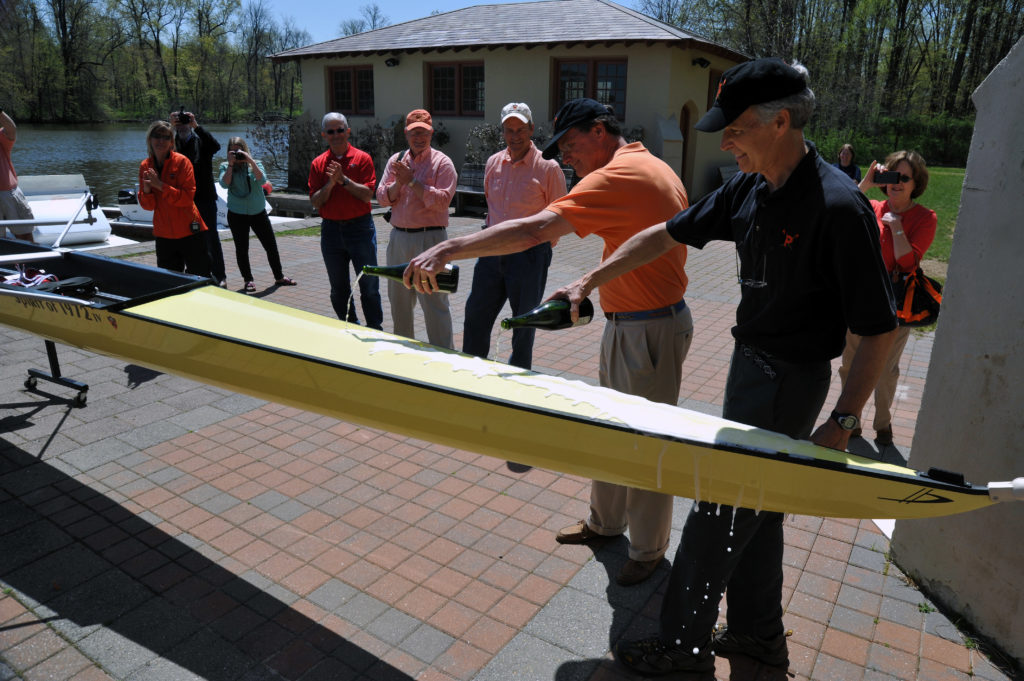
(772, 652)
(652, 657)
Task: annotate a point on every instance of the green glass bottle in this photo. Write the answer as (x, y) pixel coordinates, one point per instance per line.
(551, 315)
(447, 281)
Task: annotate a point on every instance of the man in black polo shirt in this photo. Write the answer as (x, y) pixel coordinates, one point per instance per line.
(809, 266)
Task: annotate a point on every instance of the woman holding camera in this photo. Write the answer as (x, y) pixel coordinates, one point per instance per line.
(167, 186)
(906, 230)
(243, 177)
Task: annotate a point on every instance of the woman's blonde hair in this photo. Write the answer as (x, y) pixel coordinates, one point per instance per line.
(238, 142)
(153, 127)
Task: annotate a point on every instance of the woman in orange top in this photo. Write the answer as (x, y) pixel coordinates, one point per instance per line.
(167, 187)
(906, 230)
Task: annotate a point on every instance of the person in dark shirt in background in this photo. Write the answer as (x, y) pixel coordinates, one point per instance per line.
(198, 145)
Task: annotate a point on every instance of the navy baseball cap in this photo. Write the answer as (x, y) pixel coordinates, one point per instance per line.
(747, 84)
(576, 112)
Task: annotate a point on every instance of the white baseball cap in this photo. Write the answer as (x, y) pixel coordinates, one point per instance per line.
(519, 110)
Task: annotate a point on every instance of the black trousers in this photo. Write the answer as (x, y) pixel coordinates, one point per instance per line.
(187, 254)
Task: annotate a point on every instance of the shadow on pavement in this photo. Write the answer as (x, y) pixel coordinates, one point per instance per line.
(138, 601)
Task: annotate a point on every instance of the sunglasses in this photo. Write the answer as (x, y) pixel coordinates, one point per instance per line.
(904, 179)
(335, 131)
(161, 137)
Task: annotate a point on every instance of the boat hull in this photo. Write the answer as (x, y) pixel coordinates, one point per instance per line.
(376, 379)
(57, 197)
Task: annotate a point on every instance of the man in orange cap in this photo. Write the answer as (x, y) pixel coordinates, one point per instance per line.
(418, 184)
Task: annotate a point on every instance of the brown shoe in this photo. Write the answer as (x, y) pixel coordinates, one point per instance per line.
(884, 437)
(636, 571)
(578, 533)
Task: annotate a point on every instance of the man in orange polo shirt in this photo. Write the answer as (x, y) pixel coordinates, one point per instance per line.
(649, 327)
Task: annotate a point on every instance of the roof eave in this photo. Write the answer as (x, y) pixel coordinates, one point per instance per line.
(685, 43)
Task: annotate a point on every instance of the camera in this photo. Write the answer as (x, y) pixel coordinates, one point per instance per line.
(239, 155)
(183, 118)
(887, 177)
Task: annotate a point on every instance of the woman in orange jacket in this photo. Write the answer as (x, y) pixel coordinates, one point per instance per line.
(167, 187)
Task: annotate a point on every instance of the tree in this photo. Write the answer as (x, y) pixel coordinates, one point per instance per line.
(255, 34)
(372, 17)
(352, 26)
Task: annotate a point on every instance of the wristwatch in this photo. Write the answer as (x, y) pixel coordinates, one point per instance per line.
(847, 422)
(344, 182)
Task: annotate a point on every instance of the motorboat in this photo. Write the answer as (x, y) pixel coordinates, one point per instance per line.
(55, 200)
(136, 215)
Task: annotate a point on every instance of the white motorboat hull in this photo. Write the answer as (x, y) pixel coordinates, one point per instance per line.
(56, 198)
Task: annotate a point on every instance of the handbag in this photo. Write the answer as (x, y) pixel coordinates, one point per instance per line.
(918, 298)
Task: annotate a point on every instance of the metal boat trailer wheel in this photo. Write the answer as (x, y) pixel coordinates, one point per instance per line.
(54, 376)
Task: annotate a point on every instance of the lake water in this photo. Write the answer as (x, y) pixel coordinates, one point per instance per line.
(108, 156)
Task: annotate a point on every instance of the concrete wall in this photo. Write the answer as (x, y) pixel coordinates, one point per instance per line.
(972, 411)
(660, 81)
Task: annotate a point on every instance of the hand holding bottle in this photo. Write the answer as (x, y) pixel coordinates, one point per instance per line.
(576, 293)
(552, 314)
(446, 281)
(422, 271)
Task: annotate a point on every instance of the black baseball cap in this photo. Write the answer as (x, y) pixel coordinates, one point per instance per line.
(747, 84)
(573, 113)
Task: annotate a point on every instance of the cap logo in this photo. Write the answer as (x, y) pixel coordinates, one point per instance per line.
(721, 84)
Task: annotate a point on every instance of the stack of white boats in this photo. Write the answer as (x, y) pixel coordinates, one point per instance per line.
(56, 199)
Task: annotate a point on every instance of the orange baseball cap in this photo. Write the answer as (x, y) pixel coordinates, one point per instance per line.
(419, 118)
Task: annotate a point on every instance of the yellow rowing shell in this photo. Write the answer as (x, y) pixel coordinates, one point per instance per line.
(404, 386)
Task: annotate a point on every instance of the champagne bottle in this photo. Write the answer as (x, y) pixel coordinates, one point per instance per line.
(551, 315)
(447, 280)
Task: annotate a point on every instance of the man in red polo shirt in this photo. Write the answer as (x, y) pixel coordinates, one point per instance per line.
(341, 183)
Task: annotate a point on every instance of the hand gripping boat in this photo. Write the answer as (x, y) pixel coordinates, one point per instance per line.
(183, 325)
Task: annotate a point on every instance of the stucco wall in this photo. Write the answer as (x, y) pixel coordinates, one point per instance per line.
(660, 80)
(972, 410)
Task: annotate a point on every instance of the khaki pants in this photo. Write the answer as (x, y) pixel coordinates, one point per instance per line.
(885, 390)
(643, 358)
(403, 247)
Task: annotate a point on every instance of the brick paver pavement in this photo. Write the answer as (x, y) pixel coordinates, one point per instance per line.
(174, 531)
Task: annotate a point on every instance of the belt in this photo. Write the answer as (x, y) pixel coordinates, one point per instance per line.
(358, 218)
(412, 230)
(646, 314)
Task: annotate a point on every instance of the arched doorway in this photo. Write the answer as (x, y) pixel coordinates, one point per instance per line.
(687, 119)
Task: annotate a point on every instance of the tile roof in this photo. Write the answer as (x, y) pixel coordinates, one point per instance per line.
(548, 22)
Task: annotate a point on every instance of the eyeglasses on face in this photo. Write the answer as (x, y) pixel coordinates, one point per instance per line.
(335, 131)
(904, 178)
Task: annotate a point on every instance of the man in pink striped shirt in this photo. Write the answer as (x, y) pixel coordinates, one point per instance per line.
(518, 182)
(418, 184)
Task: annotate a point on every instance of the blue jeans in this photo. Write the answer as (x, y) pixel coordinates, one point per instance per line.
(738, 550)
(352, 242)
(519, 278)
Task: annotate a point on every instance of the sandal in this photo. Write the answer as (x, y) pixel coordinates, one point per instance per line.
(250, 286)
(286, 281)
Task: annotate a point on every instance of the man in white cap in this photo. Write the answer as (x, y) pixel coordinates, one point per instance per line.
(518, 182)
